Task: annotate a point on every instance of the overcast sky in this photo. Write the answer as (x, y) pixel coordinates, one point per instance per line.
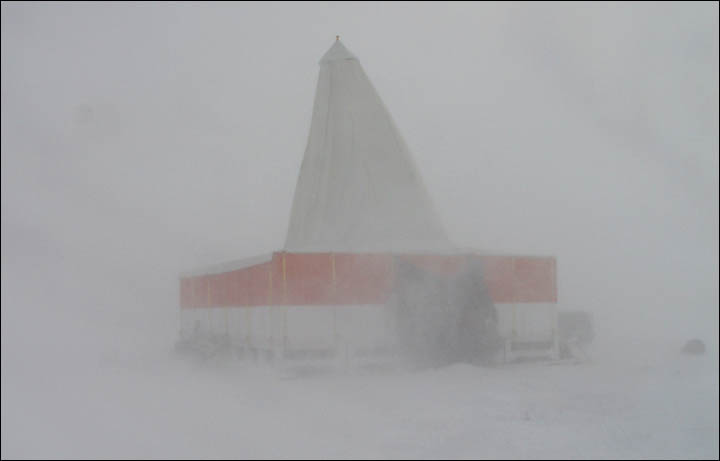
(140, 140)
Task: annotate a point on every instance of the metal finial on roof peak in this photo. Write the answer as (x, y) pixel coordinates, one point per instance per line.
(337, 52)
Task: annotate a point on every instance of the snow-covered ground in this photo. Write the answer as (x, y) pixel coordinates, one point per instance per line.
(140, 400)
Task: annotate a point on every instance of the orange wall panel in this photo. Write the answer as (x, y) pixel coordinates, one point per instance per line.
(534, 279)
(309, 278)
(213, 290)
(200, 291)
(499, 277)
(276, 283)
(363, 278)
(226, 289)
(520, 279)
(259, 284)
(238, 288)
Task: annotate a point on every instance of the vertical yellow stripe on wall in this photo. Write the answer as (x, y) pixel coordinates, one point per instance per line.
(284, 272)
(332, 264)
(332, 288)
(270, 301)
(284, 312)
(514, 299)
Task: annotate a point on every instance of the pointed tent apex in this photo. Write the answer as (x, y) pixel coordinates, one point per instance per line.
(358, 189)
(337, 52)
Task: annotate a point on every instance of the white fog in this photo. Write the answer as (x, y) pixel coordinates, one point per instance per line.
(146, 146)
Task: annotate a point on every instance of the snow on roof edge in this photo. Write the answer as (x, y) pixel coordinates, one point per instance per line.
(236, 264)
(228, 266)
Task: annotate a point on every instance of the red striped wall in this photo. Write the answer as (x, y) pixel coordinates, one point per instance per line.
(354, 278)
(363, 278)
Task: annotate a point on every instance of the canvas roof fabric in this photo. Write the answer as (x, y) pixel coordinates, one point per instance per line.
(358, 188)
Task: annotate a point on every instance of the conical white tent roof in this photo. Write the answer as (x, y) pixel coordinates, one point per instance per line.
(358, 189)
